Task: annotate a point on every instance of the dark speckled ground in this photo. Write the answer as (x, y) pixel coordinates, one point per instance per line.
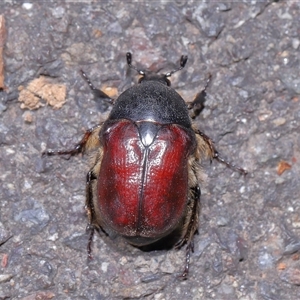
(249, 235)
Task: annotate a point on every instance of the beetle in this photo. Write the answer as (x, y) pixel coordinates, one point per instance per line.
(144, 181)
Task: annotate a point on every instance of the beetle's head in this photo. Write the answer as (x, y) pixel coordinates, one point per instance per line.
(149, 76)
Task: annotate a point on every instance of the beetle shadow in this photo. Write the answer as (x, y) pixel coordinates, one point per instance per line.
(166, 243)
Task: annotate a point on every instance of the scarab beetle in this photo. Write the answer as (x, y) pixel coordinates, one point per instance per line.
(144, 182)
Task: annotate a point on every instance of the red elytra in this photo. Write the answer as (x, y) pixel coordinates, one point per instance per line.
(143, 190)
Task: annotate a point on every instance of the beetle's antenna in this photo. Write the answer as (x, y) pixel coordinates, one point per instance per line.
(129, 60)
(183, 61)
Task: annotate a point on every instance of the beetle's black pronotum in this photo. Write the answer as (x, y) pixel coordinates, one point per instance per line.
(144, 181)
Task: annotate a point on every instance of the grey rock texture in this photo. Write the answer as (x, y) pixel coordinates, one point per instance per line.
(248, 246)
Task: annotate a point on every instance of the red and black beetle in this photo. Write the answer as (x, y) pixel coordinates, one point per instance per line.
(144, 184)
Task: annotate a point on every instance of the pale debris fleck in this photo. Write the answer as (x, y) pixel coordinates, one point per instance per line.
(42, 88)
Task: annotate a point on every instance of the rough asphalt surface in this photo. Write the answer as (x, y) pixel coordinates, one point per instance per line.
(248, 244)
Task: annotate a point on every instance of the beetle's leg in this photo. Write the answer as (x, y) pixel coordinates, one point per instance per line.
(90, 228)
(212, 152)
(198, 103)
(188, 250)
(89, 196)
(192, 224)
(97, 93)
(90, 140)
(90, 210)
(196, 193)
(228, 164)
(91, 199)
